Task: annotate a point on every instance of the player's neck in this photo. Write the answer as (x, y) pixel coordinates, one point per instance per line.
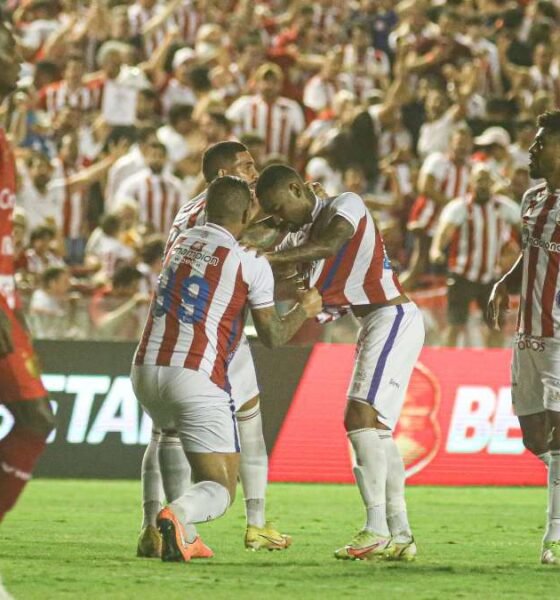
(553, 182)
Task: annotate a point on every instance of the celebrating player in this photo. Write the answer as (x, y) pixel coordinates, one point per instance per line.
(180, 372)
(535, 369)
(224, 158)
(21, 389)
(349, 267)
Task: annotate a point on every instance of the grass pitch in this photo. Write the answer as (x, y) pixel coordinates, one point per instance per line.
(76, 539)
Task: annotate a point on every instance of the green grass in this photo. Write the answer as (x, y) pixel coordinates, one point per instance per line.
(73, 539)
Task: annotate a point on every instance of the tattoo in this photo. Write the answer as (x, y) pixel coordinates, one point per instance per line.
(275, 330)
(260, 235)
(324, 241)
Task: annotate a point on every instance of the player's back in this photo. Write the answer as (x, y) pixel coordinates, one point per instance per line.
(197, 311)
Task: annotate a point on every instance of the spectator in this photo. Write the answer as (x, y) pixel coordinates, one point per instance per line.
(151, 256)
(175, 135)
(49, 310)
(40, 256)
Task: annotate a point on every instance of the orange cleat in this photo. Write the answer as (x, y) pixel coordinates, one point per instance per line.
(175, 547)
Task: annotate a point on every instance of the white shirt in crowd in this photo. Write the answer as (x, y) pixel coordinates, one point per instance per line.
(42, 209)
(129, 164)
(109, 251)
(436, 135)
(176, 144)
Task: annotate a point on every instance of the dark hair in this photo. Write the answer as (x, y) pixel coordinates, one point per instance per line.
(52, 274)
(125, 275)
(220, 156)
(272, 177)
(550, 121)
(153, 248)
(227, 199)
(220, 118)
(178, 112)
(199, 78)
(41, 232)
(36, 156)
(110, 224)
(158, 146)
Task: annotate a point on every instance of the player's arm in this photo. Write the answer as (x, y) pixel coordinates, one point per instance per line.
(262, 234)
(327, 244)
(6, 343)
(498, 303)
(275, 330)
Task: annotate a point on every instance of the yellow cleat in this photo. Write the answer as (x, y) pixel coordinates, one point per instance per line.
(266, 538)
(551, 553)
(149, 543)
(364, 546)
(403, 551)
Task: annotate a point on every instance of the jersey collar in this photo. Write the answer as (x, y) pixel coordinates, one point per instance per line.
(221, 230)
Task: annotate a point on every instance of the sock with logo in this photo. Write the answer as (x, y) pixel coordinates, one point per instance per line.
(397, 517)
(553, 527)
(19, 451)
(253, 466)
(203, 501)
(152, 489)
(370, 471)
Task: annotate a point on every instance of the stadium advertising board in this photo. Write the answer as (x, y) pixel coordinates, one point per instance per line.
(456, 428)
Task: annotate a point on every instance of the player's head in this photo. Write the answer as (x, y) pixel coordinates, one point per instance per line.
(460, 145)
(56, 281)
(229, 158)
(229, 202)
(40, 169)
(282, 193)
(269, 80)
(156, 157)
(10, 61)
(126, 281)
(544, 153)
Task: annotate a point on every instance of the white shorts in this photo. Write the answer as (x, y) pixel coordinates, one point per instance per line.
(388, 347)
(187, 401)
(535, 375)
(242, 376)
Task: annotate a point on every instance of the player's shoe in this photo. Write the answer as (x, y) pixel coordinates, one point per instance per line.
(365, 545)
(175, 547)
(266, 538)
(551, 553)
(149, 543)
(404, 551)
(4, 592)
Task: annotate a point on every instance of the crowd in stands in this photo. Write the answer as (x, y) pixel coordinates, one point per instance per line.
(397, 101)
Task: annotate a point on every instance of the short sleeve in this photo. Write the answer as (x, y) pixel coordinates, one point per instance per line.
(235, 111)
(298, 119)
(261, 282)
(433, 165)
(509, 211)
(349, 206)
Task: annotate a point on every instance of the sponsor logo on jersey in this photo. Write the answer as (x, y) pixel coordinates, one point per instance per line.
(527, 342)
(7, 199)
(547, 245)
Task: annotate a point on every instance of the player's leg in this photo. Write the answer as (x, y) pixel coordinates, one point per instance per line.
(390, 341)
(25, 397)
(253, 467)
(149, 540)
(204, 417)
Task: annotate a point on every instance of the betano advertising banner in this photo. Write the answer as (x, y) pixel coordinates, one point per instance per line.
(457, 427)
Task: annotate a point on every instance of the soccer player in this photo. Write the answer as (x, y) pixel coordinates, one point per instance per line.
(21, 389)
(164, 461)
(339, 241)
(180, 372)
(535, 369)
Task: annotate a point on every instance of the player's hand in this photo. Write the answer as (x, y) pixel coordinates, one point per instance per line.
(317, 188)
(6, 344)
(437, 257)
(312, 303)
(498, 305)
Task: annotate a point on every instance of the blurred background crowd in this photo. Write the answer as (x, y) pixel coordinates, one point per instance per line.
(401, 102)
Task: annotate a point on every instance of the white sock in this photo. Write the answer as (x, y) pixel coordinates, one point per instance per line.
(370, 471)
(152, 490)
(545, 457)
(553, 528)
(175, 473)
(253, 466)
(397, 517)
(202, 502)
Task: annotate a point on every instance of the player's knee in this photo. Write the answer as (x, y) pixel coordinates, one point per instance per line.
(536, 444)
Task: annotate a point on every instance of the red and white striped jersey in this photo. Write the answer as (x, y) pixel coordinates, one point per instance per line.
(191, 214)
(73, 210)
(361, 272)
(539, 311)
(188, 20)
(482, 230)
(56, 96)
(365, 72)
(159, 197)
(277, 123)
(7, 203)
(198, 310)
(138, 17)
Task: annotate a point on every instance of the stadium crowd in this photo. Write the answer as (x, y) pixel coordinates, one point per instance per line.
(410, 104)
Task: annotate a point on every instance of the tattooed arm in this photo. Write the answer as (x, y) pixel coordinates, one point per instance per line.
(326, 244)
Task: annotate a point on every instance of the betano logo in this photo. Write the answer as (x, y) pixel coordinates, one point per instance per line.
(101, 405)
